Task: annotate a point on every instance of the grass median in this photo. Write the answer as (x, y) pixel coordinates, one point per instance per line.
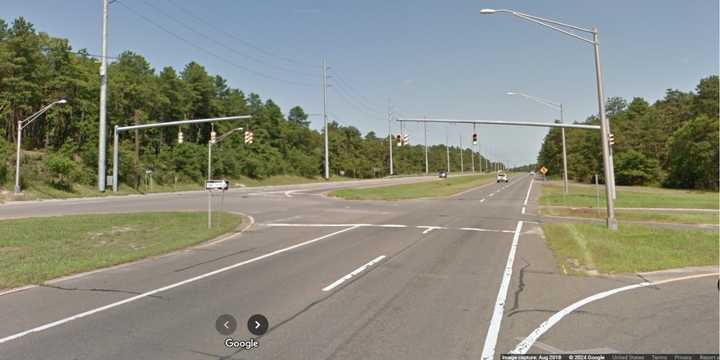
(446, 187)
(35, 250)
(583, 248)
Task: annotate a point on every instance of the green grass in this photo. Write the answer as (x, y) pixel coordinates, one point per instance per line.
(446, 187)
(41, 190)
(633, 248)
(38, 249)
(634, 197)
(630, 215)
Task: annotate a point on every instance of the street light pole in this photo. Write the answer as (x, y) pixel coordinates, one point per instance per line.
(556, 106)
(427, 167)
(102, 136)
(390, 138)
(324, 85)
(447, 148)
(571, 30)
(20, 126)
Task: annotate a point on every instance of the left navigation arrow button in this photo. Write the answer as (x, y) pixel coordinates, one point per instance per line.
(225, 324)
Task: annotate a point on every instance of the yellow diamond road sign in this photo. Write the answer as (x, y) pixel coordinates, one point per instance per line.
(543, 170)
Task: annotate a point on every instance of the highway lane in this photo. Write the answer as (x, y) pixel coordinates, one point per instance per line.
(432, 295)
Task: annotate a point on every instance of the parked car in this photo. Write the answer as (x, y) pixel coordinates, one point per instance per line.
(502, 177)
(442, 174)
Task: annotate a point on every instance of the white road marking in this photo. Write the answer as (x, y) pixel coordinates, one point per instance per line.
(525, 345)
(353, 273)
(523, 210)
(488, 352)
(482, 200)
(491, 195)
(314, 225)
(429, 228)
(167, 287)
(528, 193)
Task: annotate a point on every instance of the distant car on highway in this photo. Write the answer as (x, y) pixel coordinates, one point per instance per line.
(502, 177)
(442, 174)
(532, 173)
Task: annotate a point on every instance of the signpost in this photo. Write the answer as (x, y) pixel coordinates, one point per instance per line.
(214, 185)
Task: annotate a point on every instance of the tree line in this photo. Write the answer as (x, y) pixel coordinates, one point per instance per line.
(673, 142)
(61, 146)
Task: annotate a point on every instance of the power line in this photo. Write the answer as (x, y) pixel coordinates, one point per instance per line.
(208, 52)
(352, 89)
(221, 44)
(237, 38)
(347, 100)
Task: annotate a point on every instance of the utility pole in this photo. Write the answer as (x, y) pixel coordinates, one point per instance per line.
(390, 137)
(462, 165)
(427, 168)
(102, 137)
(472, 153)
(447, 148)
(324, 85)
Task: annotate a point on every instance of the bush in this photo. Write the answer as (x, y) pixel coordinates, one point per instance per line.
(62, 170)
(634, 168)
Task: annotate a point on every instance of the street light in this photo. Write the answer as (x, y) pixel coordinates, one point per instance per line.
(20, 126)
(571, 30)
(556, 106)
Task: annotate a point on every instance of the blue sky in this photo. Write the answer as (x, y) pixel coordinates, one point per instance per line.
(431, 58)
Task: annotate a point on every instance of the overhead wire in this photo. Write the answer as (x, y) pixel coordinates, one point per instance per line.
(237, 38)
(223, 45)
(209, 52)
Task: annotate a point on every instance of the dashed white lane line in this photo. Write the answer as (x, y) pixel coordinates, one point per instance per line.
(525, 345)
(430, 228)
(167, 287)
(482, 200)
(488, 352)
(353, 273)
(523, 210)
(491, 195)
(528, 193)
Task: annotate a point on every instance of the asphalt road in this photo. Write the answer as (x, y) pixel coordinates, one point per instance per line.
(464, 277)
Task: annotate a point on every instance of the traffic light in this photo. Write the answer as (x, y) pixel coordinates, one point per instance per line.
(180, 137)
(399, 139)
(248, 137)
(405, 139)
(212, 137)
(474, 138)
(611, 139)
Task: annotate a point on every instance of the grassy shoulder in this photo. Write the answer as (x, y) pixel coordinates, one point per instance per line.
(35, 250)
(634, 215)
(582, 248)
(445, 187)
(40, 190)
(581, 195)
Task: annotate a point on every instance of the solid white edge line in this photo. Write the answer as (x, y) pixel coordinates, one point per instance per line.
(167, 287)
(353, 273)
(528, 342)
(528, 193)
(494, 329)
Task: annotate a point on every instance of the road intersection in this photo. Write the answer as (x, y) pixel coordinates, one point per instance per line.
(459, 277)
